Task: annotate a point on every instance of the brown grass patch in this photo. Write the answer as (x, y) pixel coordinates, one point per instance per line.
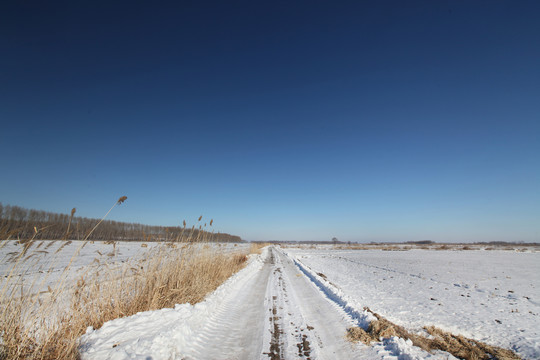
(457, 345)
(256, 247)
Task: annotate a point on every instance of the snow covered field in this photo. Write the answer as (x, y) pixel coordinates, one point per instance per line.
(491, 296)
(298, 303)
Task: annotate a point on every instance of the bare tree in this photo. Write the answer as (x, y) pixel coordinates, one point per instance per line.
(18, 223)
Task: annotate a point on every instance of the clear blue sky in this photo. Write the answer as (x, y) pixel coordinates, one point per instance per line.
(287, 120)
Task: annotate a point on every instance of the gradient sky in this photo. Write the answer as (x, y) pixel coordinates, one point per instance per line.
(285, 120)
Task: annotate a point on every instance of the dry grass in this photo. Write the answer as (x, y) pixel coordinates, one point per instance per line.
(256, 248)
(384, 247)
(531, 247)
(459, 346)
(167, 276)
(37, 324)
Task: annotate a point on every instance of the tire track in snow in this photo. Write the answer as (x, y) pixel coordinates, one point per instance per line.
(314, 321)
(278, 314)
(290, 338)
(233, 327)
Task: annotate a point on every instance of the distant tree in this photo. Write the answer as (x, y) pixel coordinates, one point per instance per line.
(18, 223)
(335, 240)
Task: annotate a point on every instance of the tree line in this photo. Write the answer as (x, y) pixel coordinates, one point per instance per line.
(20, 223)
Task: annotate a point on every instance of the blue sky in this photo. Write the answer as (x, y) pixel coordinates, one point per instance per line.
(367, 121)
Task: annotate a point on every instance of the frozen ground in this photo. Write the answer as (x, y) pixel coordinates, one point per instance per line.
(491, 296)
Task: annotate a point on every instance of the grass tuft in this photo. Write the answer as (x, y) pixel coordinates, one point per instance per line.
(457, 345)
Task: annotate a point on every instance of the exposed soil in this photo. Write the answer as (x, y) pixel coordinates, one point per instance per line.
(275, 352)
(275, 343)
(303, 348)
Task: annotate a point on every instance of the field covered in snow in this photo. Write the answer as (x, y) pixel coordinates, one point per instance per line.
(299, 301)
(491, 296)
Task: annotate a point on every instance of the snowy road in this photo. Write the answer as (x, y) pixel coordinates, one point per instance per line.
(302, 322)
(272, 309)
(277, 314)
